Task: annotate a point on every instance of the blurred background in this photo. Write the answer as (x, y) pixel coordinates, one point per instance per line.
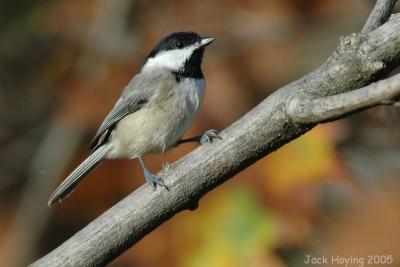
(335, 191)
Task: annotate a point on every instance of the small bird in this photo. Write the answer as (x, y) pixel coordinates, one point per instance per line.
(154, 111)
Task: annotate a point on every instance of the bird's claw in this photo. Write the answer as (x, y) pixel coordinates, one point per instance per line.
(155, 180)
(209, 136)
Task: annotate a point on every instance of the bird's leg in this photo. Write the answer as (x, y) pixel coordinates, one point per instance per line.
(151, 178)
(206, 138)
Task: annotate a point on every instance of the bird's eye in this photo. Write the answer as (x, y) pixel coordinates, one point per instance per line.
(179, 44)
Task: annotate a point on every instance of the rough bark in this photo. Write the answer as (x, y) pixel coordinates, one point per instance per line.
(379, 14)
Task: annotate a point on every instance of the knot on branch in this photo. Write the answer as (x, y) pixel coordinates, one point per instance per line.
(193, 204)
(298, 109)
(166, 167)
(354, 50)
(349, 44)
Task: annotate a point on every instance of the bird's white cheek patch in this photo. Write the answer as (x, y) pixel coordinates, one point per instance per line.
(171, 59)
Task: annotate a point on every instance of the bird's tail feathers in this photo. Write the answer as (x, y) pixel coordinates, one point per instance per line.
(67, 186)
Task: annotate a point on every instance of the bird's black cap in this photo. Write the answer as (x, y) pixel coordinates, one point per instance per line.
(182, 40)
(176, 40)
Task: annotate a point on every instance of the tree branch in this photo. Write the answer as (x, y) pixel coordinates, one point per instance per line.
(333, 107)
(357, 62)
(379, 15)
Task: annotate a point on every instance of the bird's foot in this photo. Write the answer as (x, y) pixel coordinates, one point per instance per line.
(154, 180)
(208, 136)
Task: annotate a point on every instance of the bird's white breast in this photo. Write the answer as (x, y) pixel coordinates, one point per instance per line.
(183, 107)
(159, 125)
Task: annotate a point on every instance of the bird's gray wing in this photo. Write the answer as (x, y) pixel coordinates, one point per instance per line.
(136, 94)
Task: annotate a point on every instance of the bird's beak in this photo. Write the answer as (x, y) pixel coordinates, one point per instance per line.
(206, 41)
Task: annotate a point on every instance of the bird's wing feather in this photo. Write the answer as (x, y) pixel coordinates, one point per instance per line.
(136, 94)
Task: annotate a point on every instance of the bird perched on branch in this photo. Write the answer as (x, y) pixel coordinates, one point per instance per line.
(154, 111)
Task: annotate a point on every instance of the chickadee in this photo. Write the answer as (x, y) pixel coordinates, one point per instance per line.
(154, 111)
